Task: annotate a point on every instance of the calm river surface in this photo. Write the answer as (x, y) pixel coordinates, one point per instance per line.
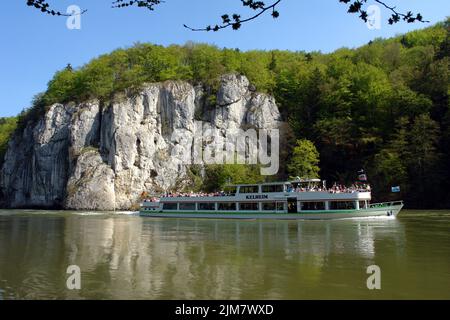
(124, 256)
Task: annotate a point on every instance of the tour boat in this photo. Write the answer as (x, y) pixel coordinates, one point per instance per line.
(299, 199)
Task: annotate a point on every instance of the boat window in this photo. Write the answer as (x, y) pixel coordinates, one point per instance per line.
(310, 205)
(249, 206)
(187, 206)
(342, 205)
(272, 188)
(363, 205)
(170, 206)
(248, 189)
(280, 206)
(207, 206)
(268, 206)
(227, 206)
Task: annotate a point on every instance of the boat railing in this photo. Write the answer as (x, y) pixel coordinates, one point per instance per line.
(202, 195)
(385, 204)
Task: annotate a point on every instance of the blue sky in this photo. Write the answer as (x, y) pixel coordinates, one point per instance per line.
(34, 46)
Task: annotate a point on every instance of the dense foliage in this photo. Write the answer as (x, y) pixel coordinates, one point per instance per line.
(304, 162)
(215, 177)
(7, 127)
(383, 107)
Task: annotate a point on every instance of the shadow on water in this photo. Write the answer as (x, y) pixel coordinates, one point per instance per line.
(128, 257)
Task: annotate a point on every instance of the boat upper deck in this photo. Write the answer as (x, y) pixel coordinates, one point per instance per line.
(311, 189)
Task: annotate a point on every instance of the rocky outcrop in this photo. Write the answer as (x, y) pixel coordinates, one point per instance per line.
(91, 185)
(95, 156)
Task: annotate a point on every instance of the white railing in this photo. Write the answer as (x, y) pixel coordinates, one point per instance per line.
(386, 204)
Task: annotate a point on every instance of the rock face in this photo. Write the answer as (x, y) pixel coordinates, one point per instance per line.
(102, 157)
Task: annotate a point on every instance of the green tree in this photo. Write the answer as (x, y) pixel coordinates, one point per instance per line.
(7, 128)
(424, 137)
(411, 159)
(390, 169)
(425, 162)
(217, 176)
(390, 164)
(61, 87)
(304, 162)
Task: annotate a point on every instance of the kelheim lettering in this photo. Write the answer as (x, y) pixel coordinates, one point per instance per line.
(264, 196)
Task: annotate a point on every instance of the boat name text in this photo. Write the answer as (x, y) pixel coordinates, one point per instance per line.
(258, 196)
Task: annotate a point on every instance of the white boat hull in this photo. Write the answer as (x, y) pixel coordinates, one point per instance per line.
(392, 210)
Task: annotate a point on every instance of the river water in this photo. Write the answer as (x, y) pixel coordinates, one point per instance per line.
(124, 256)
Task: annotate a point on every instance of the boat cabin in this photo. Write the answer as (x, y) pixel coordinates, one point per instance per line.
(309, 195)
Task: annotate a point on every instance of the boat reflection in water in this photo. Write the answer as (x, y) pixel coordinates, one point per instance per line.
(128, 257)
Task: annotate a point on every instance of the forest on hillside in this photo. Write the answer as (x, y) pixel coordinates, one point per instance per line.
(383, 107)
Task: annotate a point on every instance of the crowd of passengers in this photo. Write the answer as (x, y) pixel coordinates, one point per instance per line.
(199, 194)
(336, 188)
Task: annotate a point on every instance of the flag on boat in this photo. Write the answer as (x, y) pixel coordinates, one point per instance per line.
(362, 177)
(395, 189)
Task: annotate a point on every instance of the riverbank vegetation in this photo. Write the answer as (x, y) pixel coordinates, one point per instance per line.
(383, 107)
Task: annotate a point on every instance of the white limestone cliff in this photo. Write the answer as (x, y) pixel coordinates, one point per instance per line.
(102, 157)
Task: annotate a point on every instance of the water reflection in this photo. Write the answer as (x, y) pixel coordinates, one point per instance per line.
(128, 257)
